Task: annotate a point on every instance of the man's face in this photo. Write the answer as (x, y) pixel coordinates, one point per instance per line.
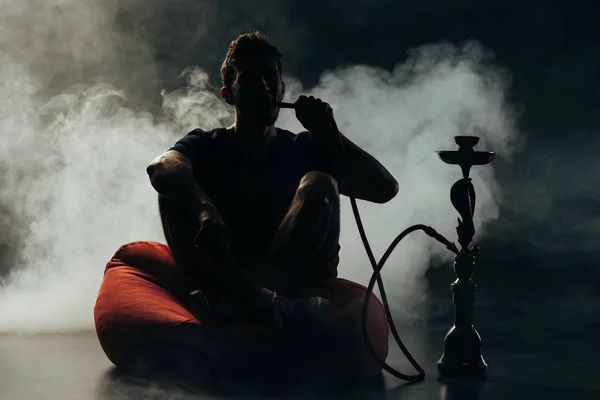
(255, 85)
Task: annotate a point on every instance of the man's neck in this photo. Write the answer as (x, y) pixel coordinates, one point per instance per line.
(251, 133)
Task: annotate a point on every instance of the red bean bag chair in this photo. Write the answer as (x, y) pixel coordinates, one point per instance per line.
(142, 306)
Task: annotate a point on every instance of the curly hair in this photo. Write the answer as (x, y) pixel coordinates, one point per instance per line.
(247, 46)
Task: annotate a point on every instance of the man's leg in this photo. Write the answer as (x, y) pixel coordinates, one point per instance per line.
(221, 278)
(216, 273)
(306, 245)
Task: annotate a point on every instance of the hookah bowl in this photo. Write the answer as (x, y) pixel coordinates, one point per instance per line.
(462, 356)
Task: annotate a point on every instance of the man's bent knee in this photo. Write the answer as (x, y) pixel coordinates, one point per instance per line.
(318, 185)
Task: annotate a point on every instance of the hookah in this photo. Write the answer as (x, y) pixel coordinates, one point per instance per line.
(462, 349)
(462, 355)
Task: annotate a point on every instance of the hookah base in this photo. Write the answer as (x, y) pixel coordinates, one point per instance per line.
(462, 356)
(476, 370)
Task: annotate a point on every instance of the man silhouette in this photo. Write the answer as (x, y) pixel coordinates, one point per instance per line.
(251, 211)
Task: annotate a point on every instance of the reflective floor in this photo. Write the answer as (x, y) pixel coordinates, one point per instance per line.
(540, 341)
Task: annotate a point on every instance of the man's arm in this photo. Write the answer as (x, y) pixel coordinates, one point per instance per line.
(171, 175)
(358, 173)
(182, 204)
(185, 208)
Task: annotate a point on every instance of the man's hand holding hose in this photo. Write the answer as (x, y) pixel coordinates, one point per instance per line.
(316, 116)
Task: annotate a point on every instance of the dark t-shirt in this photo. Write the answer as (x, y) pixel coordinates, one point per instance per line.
(252, 192)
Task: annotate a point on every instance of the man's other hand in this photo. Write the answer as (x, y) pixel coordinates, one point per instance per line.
(214, 234)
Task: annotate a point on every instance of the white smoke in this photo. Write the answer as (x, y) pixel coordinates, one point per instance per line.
(402, 117)
(74, 162)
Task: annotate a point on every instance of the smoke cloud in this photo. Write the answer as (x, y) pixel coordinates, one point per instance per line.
(402, 117)
(75, 142)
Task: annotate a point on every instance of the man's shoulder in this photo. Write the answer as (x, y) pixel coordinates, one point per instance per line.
(200, 136)
(198, 141)
(215, 133)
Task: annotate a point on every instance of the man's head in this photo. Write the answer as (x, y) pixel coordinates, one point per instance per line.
(251, 76)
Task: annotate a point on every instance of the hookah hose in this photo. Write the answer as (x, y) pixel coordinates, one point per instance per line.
(377, 267)
(376, 277)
